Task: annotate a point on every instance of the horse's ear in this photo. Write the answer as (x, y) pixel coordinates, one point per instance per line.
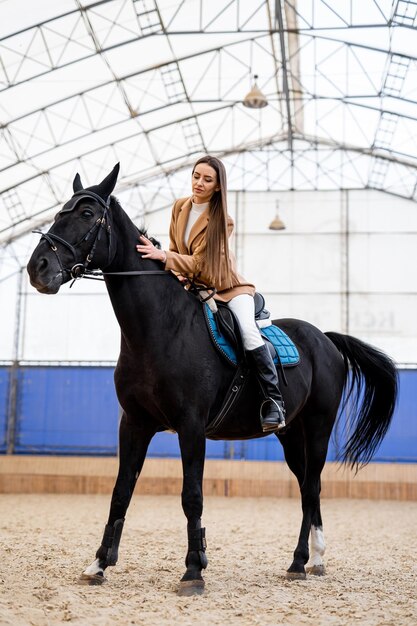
(77, 184)
(105, 188)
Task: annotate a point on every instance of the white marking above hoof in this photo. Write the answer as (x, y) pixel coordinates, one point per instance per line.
(92, 575)
(93, 569)
(317, 547)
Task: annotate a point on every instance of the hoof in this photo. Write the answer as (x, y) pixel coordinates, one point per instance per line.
(316, 570)
(91, 579)
(191, 587)
(295, 576)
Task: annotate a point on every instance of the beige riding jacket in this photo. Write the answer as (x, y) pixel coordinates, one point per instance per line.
(185, 258)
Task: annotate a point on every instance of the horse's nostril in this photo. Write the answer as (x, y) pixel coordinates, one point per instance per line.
(42, 264)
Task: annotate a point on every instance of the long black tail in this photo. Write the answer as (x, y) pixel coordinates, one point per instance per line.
(371, 391)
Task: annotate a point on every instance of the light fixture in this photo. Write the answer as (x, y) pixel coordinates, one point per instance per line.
(255, 99)
(277, 223)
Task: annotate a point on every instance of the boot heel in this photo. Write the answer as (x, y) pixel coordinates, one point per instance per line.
(274, 420)
(273, 428)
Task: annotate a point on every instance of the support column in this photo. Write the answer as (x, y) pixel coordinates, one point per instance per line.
(14, 372)
(344, 262)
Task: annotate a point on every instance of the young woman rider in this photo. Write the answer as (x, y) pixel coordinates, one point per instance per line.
(199, 250)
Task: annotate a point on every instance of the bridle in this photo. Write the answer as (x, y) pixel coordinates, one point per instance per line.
(81, 270)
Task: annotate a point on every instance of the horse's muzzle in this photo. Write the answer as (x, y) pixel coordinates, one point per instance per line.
(51, 287)
(44, 271)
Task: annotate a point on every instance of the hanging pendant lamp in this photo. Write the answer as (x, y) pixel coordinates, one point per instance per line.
(255, 99)
(277, 223)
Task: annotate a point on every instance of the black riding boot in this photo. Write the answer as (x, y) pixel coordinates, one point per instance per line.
(272, 408)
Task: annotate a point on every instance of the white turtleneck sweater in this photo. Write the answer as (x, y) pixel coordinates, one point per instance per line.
(196, 211)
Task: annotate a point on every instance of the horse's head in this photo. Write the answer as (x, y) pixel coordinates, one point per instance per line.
(75, 239)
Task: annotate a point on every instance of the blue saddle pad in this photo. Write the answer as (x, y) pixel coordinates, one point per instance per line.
(283, 345)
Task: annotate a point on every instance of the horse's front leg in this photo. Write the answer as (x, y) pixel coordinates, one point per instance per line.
(193, 448)
(135, 435)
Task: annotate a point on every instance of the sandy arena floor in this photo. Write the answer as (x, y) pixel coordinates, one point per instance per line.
(47, 540)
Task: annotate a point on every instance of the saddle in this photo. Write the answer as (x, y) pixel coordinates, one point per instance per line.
(225, 333)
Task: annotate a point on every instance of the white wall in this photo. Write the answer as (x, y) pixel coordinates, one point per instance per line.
(9, 288)
(346, 262)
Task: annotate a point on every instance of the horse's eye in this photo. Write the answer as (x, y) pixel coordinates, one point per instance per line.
(87, 213)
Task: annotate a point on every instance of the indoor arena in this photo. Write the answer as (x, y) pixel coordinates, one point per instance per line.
(208, 236)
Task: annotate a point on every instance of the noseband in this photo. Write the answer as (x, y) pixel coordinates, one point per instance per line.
(80, 270)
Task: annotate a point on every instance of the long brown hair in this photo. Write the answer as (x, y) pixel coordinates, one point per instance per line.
(216, 259)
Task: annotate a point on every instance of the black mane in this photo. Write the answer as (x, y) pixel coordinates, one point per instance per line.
(115, 204)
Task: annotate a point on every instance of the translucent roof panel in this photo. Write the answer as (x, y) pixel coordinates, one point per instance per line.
(155, 83)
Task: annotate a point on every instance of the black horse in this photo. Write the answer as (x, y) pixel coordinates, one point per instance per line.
(170, 376)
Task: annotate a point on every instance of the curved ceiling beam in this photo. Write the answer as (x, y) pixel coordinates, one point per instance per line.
(166, 169)
(230, 105)
(42, 29)
(140, 72)
(295, 96)
(98, 3)
(118, 82)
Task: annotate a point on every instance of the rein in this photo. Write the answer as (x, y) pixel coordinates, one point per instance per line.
(98, 274)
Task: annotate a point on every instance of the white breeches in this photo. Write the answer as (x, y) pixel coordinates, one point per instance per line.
(243, 307)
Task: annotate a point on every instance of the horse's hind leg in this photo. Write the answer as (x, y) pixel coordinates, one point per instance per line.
(315, 563)
(305, 454)
(193, 444)
(134, 438)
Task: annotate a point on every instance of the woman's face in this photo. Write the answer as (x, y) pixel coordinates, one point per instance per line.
(204, 182)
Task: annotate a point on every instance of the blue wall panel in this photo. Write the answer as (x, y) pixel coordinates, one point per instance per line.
(4, 395)
(264, 449)
(67, 410)
(166, 445)
(74, 410)
(400, 444)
